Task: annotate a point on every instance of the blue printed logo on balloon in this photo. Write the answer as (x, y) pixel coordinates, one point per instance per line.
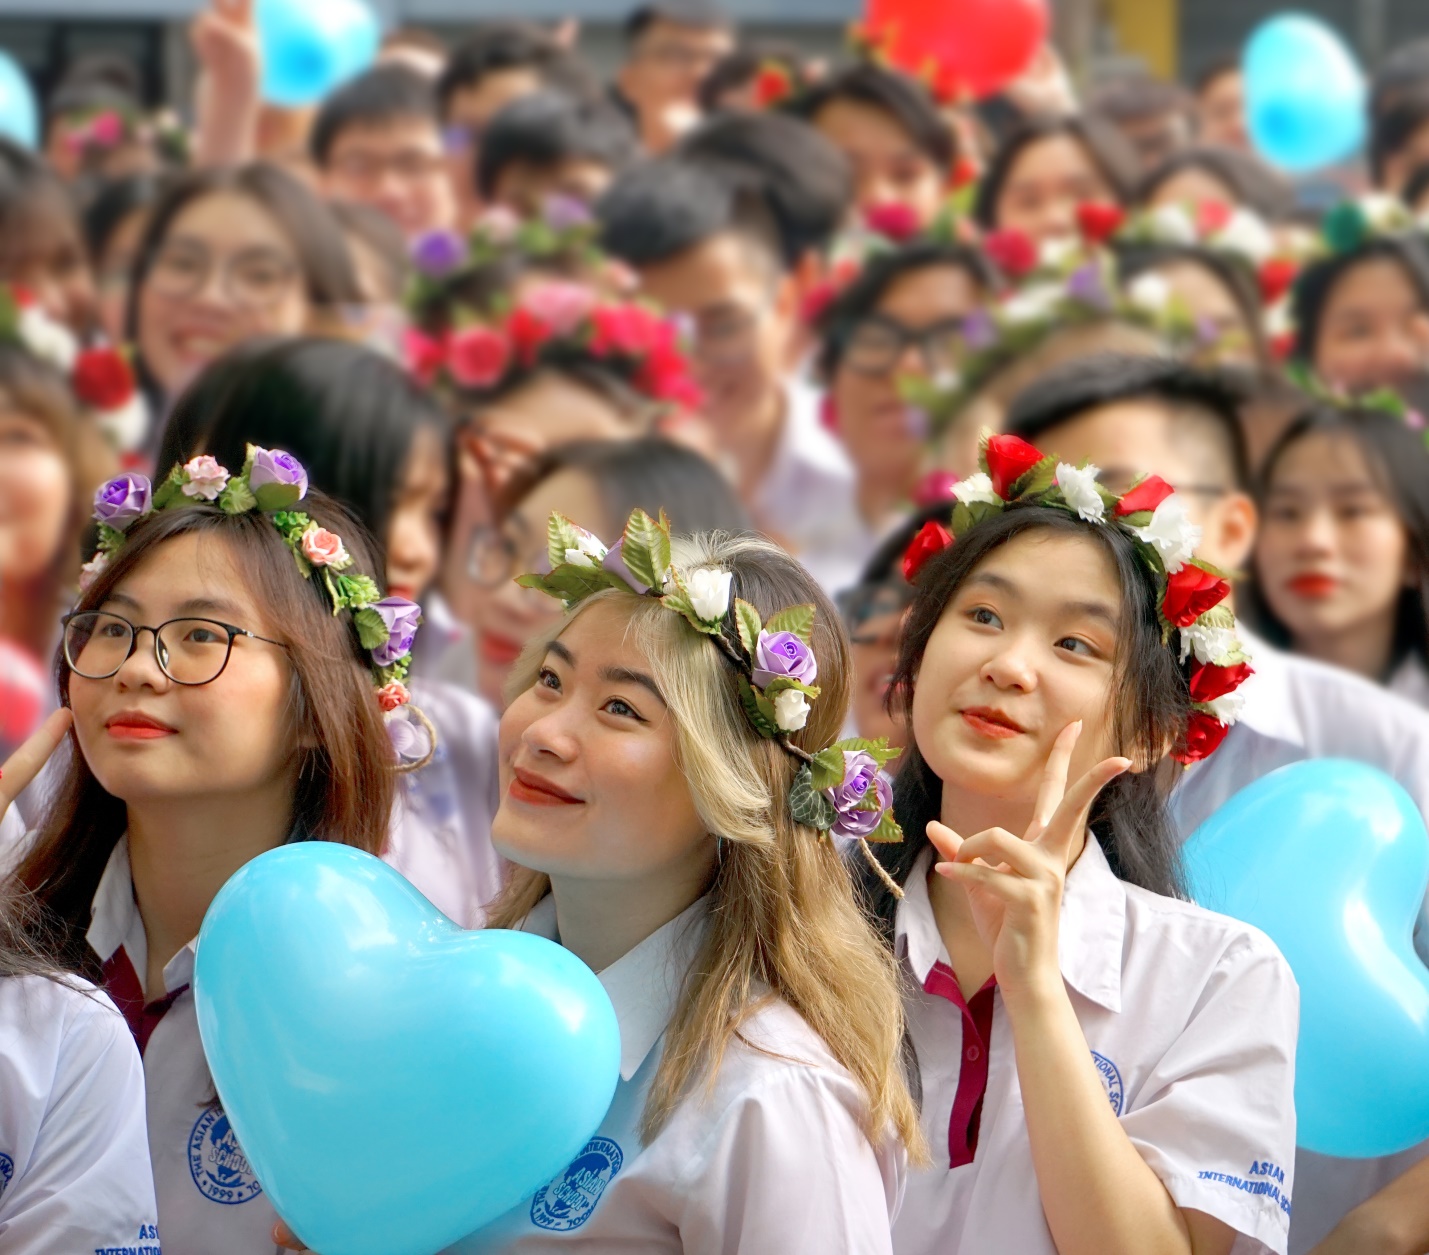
(1111, 1081)
(219, 1167)
(567, 1203)
(7, 1170)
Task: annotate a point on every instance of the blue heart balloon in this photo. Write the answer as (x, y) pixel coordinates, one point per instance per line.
(345, 1017)
(310, 46)
(1304, 93)
(19, 114)
(1331, 858)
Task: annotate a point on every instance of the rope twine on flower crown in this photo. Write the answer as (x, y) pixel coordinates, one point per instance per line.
(839, 791)
(273, 483)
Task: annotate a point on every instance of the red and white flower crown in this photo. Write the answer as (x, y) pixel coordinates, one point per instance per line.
(1195, 622)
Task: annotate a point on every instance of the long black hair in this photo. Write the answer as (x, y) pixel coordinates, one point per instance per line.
(1399, 462)
(1316, 282)
(1150, 703)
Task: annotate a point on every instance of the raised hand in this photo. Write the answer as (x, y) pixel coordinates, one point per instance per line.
(1014, 884)
(26, 762)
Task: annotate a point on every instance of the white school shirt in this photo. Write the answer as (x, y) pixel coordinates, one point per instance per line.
(770, 1160)
(210, 1203)
(1411, 681)
(1191, 1020)
(74, 1154)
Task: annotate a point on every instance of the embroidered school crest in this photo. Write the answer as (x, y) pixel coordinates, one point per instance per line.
(220, 1168)
(1111, 1081)
(7, 1171)
(567, 1203)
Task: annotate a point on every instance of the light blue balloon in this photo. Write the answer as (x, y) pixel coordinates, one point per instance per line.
(19, 114)
(1330, 858)
(1304, 93)
(310, 46)
(395, 1082)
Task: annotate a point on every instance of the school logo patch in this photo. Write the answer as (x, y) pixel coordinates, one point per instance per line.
(216, 1160)
(7, 1170)
(1111, 1080)
(567, 1203)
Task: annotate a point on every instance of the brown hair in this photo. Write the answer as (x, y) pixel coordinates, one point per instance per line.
(346, 783)
(783, 917)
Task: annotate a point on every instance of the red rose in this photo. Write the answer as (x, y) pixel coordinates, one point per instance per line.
(423, 354)
(665, 375)
(1276, 276)
(1212, 216)
(1282, 346)
(1012, 252)
(624, 330)
(817, 301)
(1147, 495)
(528, 334)
(1204, 733)
(1209, 681)
(102, 378)
(1009, 458)
(772, 86)
(930, 541)
(1098, 220)
(1190, 593)
(964, 171)
(477, 357)
(893, 219)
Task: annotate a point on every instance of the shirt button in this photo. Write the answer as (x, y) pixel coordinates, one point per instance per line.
(973, 1054)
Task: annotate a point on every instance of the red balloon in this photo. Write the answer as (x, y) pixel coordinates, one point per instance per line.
(981, 45)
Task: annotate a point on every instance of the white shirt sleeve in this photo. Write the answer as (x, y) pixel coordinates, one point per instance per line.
(86, 1183)
(1216, 1120)
(788, 1169)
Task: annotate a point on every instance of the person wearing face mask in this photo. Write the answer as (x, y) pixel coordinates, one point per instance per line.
(1125, 414)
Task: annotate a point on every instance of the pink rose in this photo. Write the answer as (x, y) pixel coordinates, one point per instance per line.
(206, 477)
(322, 548)
(478, 356)
(390, 696)
(562, 306)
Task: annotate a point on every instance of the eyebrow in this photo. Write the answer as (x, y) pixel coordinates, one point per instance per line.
(1091, 609)
(611, 675)
(194, 605)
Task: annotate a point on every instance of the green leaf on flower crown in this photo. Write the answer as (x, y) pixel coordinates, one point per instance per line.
(330, 580)
(796, 619)
(880, 751)
(561, 535)
(1141, 518)
(569, 582)
(966, 516)
(827, 769)
(237, 497)
(746, 619)
(1038, 480)
(271, 496)
(782, 682)
(1345, 227)
(758, 708)
(808, 805)
(393, 671)
(358, 591)
(111, 539)
(371, 629)
(171, 491)
(888, 832)
(645, 548)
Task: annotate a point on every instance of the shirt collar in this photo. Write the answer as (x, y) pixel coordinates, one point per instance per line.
(643, 985)
(115, 922)
(1089, 944)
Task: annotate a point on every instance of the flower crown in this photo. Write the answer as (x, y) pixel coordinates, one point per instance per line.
(101, 377)
(838, 790)
(1194, 622)
(1354, 223)
(273, 482)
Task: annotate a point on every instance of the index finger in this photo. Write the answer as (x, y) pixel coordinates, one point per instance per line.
(1054, 779)
(1071, 816)
(25, 763)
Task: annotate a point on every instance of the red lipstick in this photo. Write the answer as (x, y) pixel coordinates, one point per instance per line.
(536, 790)
(134, 725)
(993, 724)
(1313, 586)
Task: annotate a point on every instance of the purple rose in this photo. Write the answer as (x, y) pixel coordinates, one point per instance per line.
(615, 564)
(277, 479)
(861, 774)
(122, 500)
(401, 617)
(438, 253)
(565, 213)
(783, 654)
(1087, 287)
(979, 331)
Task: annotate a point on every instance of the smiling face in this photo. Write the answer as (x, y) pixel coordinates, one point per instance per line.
(1026, 645)
(1374, 330)
(1049, 178)
(888, 167)
(149, 740)
(1333, 556)
(35, 499)
(591, 785)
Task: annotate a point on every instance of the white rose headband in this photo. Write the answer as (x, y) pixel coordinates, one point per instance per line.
(273, 482)
(839, 791)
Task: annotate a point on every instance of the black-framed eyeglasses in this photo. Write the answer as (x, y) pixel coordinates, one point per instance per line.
(874, 345)
(189, 651)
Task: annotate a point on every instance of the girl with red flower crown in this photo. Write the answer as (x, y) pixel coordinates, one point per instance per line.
(1091, 1079)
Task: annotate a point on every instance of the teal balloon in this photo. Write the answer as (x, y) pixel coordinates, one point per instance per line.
(19, 114)
(394, 1081)
(310, 46)
(1304, 94)
(1331, 859)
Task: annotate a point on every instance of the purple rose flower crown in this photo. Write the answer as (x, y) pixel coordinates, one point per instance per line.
(840, 790)
(273, 482)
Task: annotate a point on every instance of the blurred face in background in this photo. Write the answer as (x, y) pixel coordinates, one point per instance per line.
(888, 166)
(469, 112)
(1048, 180)
(1220, 112)
(113, 270)
(42, 251)
(35, 499)
(668, 62)
(1374, 330)
(398, 169)
(873, 614)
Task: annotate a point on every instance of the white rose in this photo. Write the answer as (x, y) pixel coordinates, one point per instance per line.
(92, 570)
(1172, 224)
(1385, 212)
(589, 551)
(1209, 644)
(48, 339)
(1278, 318)
(1079, 487)
(125, 427)
(1228, 706)
(1053, 253)
(1150, 292)
(1171, 533)
(1032, 304)
(709, 590)
(975, 488)
(791, 710)
(1246, 234)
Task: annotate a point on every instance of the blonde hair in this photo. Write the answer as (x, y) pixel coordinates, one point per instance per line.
(784, 920)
